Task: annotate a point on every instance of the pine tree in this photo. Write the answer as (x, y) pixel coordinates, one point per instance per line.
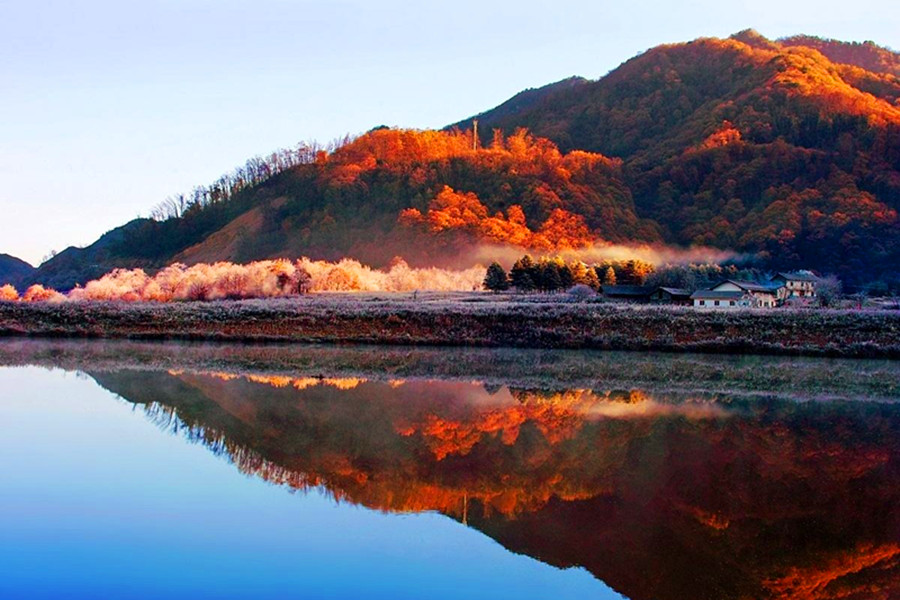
(609, 278)
(579, 272)
(522, 274)
(590, 279)
(566, 277)
(496, 279)
(550, 276)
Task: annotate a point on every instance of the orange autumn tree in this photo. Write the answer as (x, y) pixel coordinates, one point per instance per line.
(495, 191)
(452, 210)
(8, 293)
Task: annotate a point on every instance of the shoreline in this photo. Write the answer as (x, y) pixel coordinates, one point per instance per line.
(684, 376)
(474, 320)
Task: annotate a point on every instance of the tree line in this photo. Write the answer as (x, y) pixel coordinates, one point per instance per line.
(554, 274)
(253, 172)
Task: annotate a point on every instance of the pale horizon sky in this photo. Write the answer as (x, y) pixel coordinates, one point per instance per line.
(108, 107)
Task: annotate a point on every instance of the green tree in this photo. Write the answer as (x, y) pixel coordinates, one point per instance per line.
(522, 274)
(496, 279)
(551, 279)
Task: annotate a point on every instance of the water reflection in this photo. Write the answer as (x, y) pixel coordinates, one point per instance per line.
(661, 492)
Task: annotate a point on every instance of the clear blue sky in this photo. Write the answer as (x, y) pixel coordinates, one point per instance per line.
(107, 106)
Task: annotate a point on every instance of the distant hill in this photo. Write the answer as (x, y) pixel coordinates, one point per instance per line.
(78, 265)
(13, 270)
(770, 149)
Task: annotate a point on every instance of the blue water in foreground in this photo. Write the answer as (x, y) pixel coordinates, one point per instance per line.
(97, 501)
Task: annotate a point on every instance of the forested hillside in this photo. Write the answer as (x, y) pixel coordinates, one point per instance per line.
(769, 149)
(13, 270)
(431, 197)
(763, 147)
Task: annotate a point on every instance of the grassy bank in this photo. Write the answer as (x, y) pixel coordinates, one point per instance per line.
(664, 375)
(470, 320)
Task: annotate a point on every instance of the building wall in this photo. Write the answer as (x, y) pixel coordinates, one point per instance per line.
(799, 289)
(742, 303)
(727, 286)
(762, 300)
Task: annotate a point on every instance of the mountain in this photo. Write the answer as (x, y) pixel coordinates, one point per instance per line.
(786, 152)
(763, 147)
(13, 270)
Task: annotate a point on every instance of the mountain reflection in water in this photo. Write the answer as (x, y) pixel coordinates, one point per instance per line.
(660, 495)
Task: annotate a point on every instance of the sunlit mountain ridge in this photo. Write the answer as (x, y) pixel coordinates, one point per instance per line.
(785, 153)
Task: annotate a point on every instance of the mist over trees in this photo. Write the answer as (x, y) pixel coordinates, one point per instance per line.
(259, 279)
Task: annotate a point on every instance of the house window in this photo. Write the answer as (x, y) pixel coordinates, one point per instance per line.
(731, 302)
(703, 303)
(717, 302)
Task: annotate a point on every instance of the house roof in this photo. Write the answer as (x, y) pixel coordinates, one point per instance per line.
(676, 291)
(751, 286)
(795, 276)
(634, 291)
(714, 295)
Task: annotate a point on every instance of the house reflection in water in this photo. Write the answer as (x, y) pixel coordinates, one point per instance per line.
(661, 496)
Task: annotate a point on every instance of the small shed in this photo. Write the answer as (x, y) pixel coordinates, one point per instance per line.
(670, 295)
(627, 293)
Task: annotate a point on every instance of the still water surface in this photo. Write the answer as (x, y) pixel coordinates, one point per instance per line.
(149, 471)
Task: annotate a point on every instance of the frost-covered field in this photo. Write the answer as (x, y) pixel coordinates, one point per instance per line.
(470, 318)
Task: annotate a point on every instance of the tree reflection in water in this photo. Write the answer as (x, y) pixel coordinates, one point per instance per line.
(660, 495)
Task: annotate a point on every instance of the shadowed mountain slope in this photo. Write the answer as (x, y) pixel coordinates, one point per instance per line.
(13, 270)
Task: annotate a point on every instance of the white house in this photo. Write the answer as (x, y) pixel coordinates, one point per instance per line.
(733, 293)
(720, 299)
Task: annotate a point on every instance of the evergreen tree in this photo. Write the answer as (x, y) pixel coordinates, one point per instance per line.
(496, 279)
(551, 280)
(579, 272)
(566, 277)
(590, 279)
(609, 278)
(522, 274)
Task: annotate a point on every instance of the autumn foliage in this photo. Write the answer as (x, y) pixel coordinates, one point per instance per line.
(530, 187)
(451, 210)
(260, 279)
(38, 293)
(8, 293)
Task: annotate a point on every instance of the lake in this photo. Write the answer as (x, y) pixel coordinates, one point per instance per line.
(147, 470)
